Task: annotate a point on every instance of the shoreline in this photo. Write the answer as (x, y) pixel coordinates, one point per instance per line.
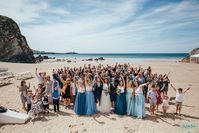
(110, 60)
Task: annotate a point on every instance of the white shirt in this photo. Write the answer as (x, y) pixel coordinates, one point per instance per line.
(39, 78)
(179, 97)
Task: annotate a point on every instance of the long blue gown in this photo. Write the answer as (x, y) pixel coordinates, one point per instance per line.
(80, 102)
(139, 104)
(90, 102)
(130, 100)
(120, 105)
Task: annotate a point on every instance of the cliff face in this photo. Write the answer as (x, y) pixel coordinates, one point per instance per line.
(13, 45)
(193, 52)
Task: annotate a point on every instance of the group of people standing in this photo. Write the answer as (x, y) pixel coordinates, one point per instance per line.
(123, 89)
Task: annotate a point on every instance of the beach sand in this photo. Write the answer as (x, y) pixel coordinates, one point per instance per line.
(182, 75)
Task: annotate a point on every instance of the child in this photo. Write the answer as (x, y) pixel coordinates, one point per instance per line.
(29, 101)
(38, 92)
(36, 107)
(152, 98)
(165, 105)
(179, 98)
(45, 103)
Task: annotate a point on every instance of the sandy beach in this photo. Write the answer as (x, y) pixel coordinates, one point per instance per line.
(182, 75)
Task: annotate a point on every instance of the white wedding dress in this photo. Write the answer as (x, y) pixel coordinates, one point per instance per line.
(105, 103)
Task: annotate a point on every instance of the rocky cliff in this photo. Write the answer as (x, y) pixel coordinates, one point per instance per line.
(193, 52)
(13, 45)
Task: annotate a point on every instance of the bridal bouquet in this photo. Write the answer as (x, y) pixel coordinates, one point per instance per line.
(149, 80)
(106, 92)
(118, 91)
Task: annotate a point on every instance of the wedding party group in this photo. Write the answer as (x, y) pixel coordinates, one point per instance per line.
(121, 89)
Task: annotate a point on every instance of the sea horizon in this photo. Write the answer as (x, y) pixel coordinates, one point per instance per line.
(118, 57)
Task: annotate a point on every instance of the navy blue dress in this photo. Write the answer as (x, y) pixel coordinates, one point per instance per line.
(113, 93)
(80, 102)
(90, 102)
(97, 91)
(120, 105)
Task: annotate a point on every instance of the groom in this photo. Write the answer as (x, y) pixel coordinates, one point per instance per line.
(98, 86)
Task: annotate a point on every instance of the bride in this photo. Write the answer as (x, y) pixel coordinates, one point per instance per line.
(105, 103)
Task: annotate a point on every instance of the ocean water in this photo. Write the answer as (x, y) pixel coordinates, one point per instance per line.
(121, 56)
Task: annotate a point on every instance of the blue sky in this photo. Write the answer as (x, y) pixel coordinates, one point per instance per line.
(105, 26)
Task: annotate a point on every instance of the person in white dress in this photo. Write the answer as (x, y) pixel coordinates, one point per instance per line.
(165, 105)
(105, 103)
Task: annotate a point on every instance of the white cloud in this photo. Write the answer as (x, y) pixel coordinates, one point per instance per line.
(22, 11)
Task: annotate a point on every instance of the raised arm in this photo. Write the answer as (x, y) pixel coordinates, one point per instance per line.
(186, 90)
(34, 88)
(100, 78)
(86, 77)
(173, 87)
(162, 87)
(143, 84)
(127, 82)
(129, 65)
(71, 89)
(123, 81)
(62, 80)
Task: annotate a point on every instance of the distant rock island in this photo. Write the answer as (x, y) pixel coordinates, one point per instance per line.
(13, 45)
(44, 52)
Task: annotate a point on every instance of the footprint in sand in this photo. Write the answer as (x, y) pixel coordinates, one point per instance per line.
(131, 131)
(71, 126)
(125, 127)
(84, 130)
(74, 132)
(113, 119)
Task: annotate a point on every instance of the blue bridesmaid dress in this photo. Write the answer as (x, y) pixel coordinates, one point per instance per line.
(120, 105)
(90, 102)
(139, 104)
(80, 102)
(130, 100)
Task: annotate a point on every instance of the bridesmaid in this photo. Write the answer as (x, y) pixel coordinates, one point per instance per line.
(113, 93)
(130, 97)
(90, 101)
(105, 103)
(120, 105)
(80, 101)
(139, 101)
